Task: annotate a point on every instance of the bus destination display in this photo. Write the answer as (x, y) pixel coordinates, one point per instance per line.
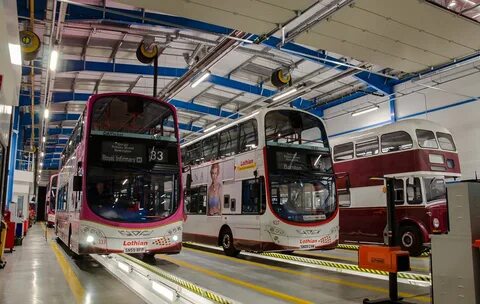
(132, 153)
(291, 160)
(123, 152)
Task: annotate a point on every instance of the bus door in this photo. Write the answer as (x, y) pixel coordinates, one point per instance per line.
(250, 205)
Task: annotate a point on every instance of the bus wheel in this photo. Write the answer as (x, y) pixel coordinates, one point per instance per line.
(149, 258)
(226, 240)
(411, 240)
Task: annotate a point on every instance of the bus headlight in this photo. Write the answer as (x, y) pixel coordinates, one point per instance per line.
(91, 235)
(436, 222)
(175, 238)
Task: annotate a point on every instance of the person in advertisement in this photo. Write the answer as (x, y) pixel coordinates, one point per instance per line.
(214, 191)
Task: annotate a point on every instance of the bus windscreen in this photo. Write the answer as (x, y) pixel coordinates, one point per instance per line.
(132, 173)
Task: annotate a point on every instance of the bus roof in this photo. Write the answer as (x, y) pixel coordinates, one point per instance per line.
(408, 125)
(260, 112)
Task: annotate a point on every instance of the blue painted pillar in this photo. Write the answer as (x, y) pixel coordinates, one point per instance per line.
(393, 108)
(13, 154)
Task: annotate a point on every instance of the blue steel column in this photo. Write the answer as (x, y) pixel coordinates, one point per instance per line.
(393, 108)
(13, 154)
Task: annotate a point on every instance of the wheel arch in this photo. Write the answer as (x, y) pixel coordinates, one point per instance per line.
(222, 229)
(412, 222)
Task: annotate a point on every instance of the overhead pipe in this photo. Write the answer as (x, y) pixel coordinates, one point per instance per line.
(213, 56)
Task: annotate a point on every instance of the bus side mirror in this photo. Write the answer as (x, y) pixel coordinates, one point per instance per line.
(189, 181)
(77, 183)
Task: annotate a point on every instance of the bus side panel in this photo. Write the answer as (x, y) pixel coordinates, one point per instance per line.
(202, 229)
(366, 217)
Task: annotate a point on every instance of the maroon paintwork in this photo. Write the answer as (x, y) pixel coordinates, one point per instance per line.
(368, 224)
(361, 170)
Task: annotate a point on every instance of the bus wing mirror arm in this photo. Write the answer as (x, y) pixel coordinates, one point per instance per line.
(189, 181)
(77, 183)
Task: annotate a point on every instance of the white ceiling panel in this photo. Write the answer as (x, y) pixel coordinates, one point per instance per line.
(407, 35)
(252, 16)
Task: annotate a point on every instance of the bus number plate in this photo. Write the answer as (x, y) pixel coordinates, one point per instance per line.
(134, 249)
(308, 246)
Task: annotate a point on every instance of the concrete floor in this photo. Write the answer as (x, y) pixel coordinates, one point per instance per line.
(251, 280)
(41, 272)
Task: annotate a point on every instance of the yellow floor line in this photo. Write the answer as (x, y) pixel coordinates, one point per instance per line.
(327, 256)
(72, 279)
(266, 291)
(312, 276)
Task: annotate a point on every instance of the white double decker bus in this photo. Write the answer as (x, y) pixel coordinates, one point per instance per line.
(264, 182)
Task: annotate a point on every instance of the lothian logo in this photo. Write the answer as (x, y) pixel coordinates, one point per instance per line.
(135, 232)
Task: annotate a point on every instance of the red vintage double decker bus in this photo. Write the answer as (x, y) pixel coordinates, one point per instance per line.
(420, 155)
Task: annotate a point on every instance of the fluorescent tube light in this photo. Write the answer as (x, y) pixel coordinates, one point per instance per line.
(15, 53)
(200, 79)
(124, 181)
(124, 267)
(42, 154)
(209, 128)
(46, 113)
(53, 60)
(365, 111)
(287, 93)
(44, 139)
(164, 291)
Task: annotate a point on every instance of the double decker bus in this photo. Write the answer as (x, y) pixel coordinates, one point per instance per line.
(50, 200)
(264, 182)
(420, 155)
(119, 186)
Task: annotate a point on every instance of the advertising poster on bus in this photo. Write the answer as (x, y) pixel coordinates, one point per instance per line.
(215, 190)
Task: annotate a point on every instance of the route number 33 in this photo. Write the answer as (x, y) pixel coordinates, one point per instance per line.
(156, 155)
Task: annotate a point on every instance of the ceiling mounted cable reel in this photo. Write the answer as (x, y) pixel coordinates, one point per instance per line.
(281, 78)
(29, 44)
(147, 51)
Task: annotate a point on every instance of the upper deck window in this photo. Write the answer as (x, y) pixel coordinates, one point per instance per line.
(446, 141)
(343, 152)
(367, 147)
(396, 141)
(228, 141)
(248, 136)
(426, 139)
(294, 127)
(210, 147)
(131, 114)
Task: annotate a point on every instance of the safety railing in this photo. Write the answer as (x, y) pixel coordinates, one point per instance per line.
(25, 160)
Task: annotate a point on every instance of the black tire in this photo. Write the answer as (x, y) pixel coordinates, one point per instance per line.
(410, 239)
(226, 240)
(149, 258)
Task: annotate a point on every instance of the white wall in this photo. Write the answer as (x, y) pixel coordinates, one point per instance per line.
(11, 74)
(452, 104)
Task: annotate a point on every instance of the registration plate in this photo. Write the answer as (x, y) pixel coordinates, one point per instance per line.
(134, 249)
(307, 246)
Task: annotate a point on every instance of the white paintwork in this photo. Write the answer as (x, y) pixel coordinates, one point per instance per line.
(266, 227)
(409, 126)
(373, 196)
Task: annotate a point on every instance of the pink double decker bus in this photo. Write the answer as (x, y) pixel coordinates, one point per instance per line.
(50, 200)
(119, 186)
(420, 155)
